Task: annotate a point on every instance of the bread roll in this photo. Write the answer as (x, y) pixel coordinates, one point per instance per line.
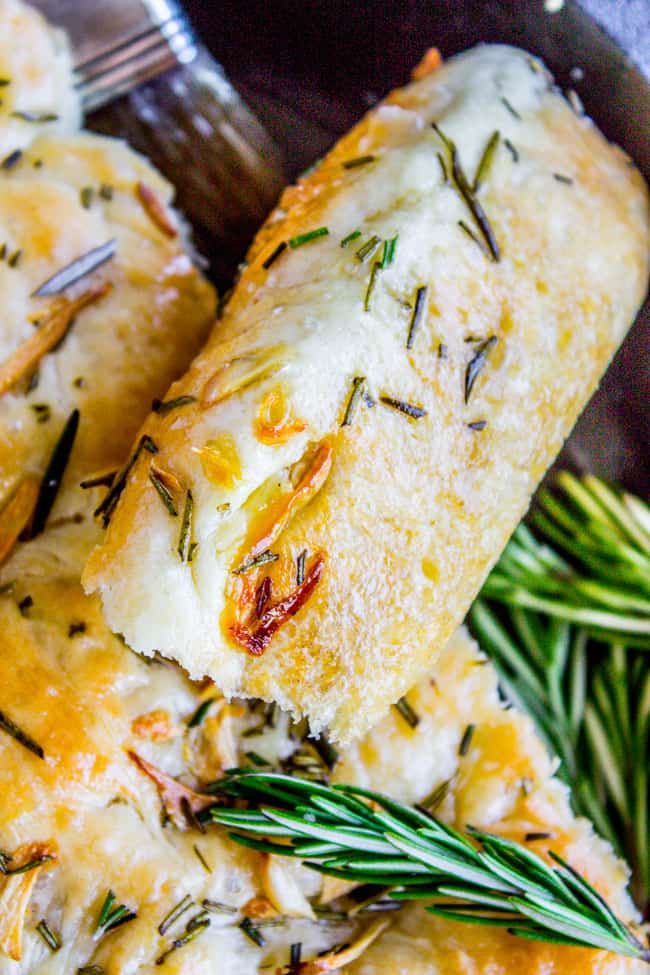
(418, 326)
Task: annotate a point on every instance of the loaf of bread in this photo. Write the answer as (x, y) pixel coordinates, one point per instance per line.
(417, 328)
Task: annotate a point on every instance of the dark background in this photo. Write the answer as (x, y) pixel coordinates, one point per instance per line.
(310, 68)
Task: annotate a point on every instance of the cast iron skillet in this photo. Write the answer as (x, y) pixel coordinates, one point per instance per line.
(311, 68)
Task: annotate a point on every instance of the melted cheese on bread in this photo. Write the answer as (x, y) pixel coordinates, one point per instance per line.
(385, 408)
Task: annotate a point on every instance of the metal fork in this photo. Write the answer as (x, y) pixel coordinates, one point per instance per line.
(143, 75)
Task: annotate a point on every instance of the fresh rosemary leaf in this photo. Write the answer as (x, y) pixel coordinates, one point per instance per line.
(54, 474)
(376, 267)
(273, 256)
(112, 916)
(472, 236)
(261, 559)
(14, 259)
(443, 167)
(199, 856)
(76, 270)
(102, 480)
(35, 116)
(194, 927)
(165, 407)
(476, 364)
(86, 195)
(560, 178)
(369, 838)
(407, 712)
(251, 932)
(388, 252)
(50, 937)
(307, 237)
(31, 865)
(183, 905)
(358, 385)
(417, 315)
(113, 495)
(10, 161)
(408, 409)
(350, 237)
(466, 740)
(512, 150)
(485, 161)
(201, 712)
(359, 161)
(185, 536)
(163, 493)
(366, 251)
(477, 425)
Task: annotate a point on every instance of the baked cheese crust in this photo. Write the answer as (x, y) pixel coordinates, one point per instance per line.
(383, 396)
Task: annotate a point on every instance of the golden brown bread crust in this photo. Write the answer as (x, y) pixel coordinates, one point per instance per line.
(414, 510)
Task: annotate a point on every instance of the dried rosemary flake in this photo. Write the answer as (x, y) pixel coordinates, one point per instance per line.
(350, 237)
(4, 82)
(359, 161)
(416, 317)
(512, 150)
(307, 237)
(164, 493)
(300, 567)
(273, 256)
(251, 932)
(15, 258)
(35, 116)
(261, 559)
(108, 505)
(42, 411)
(532, 837)
(185, 536)
(443, 351)
(86, 195)
(183, 905)
(216, 907)
(560, 178)
(195, 926)
(376, 267)
(10, 161)
(407, 712)
(510, 108)
(77, 269)
(358, 384)
(162, 407)
(477, 425)
(485, 161)
(470, 233)
(106, 191)
(102, 480)
(6, 724)
(75, 629)
(443, 168)
(54, 474)
(50, 937)
(295, 954)
(466, 740)
(199, 856)
(408, 409)
(25, 604)
(366, 251)
(476, 364)
(91, 970)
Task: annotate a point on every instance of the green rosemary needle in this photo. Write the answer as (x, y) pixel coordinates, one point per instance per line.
(54, 472)
(307, 237)
(11, 728)
(362, 836)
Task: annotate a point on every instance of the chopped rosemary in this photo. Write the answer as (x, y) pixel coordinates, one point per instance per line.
(388, 253)
(307, 237)
(194, 927)
(359, 161)
(476, 364)
(300, 567)
(416, 316)
(183, 905)
(185, 536)
(112, 917)
(199, 715)
(251, 932)
(164, 493)
(407, 712)
(376, 267)
(435, 799)
(511, 149)
(295, 954)
(273, 256)
(10, 161)
(13, 260)
(462, 185)
(162, 407)
(106, 191)
(408, 409)
(532, 837)
(4, 82)
(25, 604)
(77, 269)
(86, 195)
(466, 740)
(560, 178)
(261, 559)
(90, 970)
(50, 937)
(477, 425)
(443, 351)
(485, 161)
(508, 105)
(199, 856)
(76, 628)
(350, 237)
(366, 250)
(443, 167)
(31, 865)
(35, 116)
(54, 474)
(42, 411)
(109, 504)
(102, 480)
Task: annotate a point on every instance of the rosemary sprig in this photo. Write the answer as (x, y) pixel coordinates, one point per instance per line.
(569, 637)
(112, 915)
(484, 879)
